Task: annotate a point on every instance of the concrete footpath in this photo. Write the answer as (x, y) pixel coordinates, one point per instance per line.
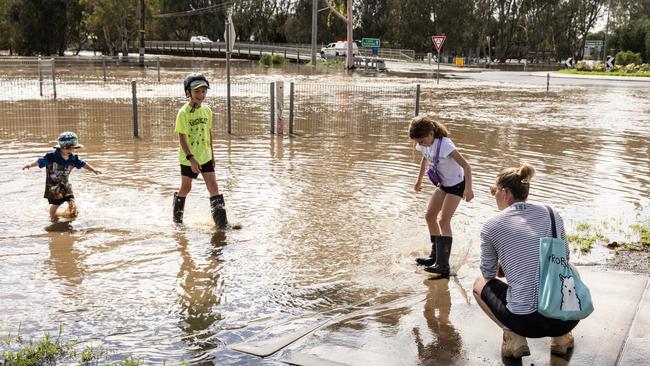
(616, 333)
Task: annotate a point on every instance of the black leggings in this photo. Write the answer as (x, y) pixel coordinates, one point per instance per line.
(533, 325)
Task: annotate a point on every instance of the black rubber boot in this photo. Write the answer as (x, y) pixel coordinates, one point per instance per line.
(179, 208)
(218, 211)
(443, 250)
(431, 259)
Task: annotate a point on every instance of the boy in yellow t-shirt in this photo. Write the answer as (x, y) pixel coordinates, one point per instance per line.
(196, 155)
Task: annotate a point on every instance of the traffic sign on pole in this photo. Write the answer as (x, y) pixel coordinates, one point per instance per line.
(370, 42)
(229, 34)
(438, 41)
(569, 62)
(610, 62)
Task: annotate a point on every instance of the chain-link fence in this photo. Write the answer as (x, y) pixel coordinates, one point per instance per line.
(34, 102)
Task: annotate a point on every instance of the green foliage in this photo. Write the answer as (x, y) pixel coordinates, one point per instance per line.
(266, 59)
(278, 60)
(627, 57)
(91, 354)
(582, 66)
(131, 361)
(643, 232)
(589, 235)
(47, 351)
(40, 26)
(586, 242)
(599, 67)
(633, 36)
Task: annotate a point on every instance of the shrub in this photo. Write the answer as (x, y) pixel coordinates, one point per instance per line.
(266, 59)
(582, 66)
(644, 67)
(631, 68)
(628, 57)
(278, 60)
(600, 67)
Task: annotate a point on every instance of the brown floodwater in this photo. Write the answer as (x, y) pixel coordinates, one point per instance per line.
(330, 222)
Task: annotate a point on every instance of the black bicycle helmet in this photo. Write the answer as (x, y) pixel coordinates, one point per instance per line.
(192, 78)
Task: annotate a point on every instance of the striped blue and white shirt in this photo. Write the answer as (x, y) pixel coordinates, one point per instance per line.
(512, 239)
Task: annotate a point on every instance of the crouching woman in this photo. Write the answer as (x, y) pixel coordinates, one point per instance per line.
(510, 247)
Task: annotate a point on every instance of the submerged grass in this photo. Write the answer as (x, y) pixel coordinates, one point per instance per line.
(54, 351)
(47, 351)
(637, 236)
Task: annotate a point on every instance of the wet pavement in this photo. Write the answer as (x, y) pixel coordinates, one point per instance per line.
(616, 333)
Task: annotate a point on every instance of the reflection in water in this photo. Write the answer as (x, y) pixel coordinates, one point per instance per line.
(65, 260)
(201, 290)
(445, 345)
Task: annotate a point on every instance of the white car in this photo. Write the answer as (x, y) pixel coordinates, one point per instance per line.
(337, 49)
(200, 40)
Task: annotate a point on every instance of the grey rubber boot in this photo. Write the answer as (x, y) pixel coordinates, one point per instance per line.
(443, 250)
(218, 211)
(179, 208)
(431, 259)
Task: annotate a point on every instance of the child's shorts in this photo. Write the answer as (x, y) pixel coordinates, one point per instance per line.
(59, 202)
(186, 170)
(533, 325)
(457, 189)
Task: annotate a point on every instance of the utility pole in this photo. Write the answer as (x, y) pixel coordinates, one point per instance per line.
(314, 18)
(349, 57)
(141, 33)
(609, 9)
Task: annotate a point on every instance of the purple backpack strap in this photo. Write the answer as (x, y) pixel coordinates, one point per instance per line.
(438, 152)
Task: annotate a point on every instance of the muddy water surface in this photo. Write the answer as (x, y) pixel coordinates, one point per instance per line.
(329, 223)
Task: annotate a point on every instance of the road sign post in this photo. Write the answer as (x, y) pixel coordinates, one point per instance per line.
(610, 62)
(229, 36)
(438, 41)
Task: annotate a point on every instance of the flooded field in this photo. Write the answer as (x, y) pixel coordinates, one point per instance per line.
(330, 223)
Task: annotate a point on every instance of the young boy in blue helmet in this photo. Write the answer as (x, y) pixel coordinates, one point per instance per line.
(196, 154)
(59, 164)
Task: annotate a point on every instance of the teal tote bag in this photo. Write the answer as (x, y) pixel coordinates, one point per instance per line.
(562, 294)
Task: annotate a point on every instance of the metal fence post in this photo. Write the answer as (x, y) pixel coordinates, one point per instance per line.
(135, 108)
(158, 66)
(104, 67)
(291, 108)
(417, 100)
(40, 77)
(272, 108)
(279, 107)
(548, 80)
(54, 78)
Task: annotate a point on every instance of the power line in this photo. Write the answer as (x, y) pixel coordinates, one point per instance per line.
(208, 9)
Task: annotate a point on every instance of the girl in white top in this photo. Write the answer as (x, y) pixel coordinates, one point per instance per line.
(455, 184)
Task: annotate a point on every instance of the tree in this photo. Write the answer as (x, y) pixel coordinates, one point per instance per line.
(114, 22)
(211, 24)
(40, 26)
(7, 28)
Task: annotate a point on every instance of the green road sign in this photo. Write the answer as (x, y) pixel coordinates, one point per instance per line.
(370, 42)
(592, 43)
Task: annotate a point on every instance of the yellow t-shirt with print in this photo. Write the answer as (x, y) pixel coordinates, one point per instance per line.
(196, 127)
